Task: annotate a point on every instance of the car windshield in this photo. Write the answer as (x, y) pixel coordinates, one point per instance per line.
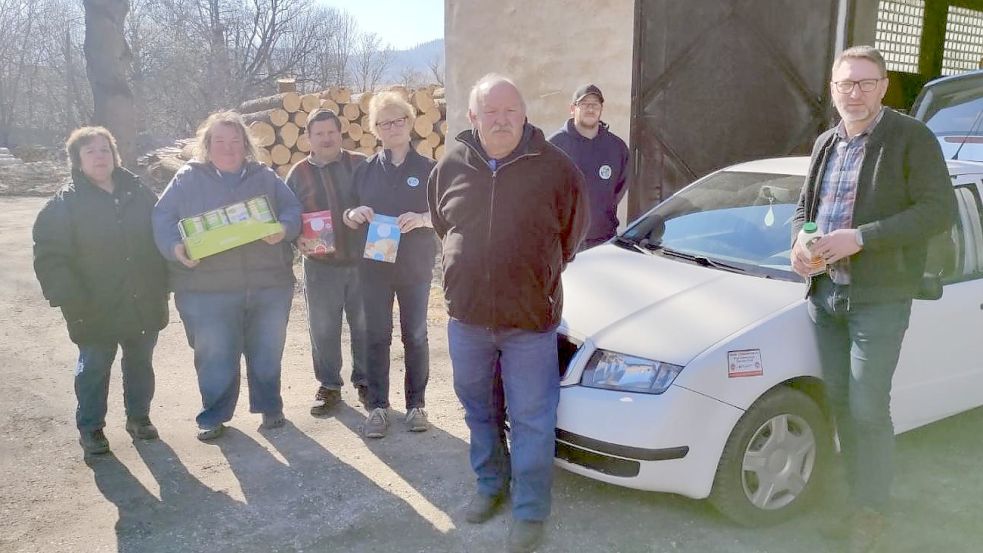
(954, 112)
(730, 220)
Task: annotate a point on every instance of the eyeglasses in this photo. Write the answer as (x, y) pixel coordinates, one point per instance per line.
(589, 105)
(866, 85)
(398, 123)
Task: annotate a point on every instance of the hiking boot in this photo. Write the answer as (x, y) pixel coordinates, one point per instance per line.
(377, 423)
(363, 395)
(867, 531)
(416, 420)
(324, 401)
(273, 420)
(140, 428)
(93, 442)
(525, 536)
(482, 507)
(211, 433)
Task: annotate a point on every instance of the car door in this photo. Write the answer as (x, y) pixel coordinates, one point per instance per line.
(940, 372)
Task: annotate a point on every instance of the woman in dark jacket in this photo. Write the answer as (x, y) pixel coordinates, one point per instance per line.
(392, 192)
(95, 258)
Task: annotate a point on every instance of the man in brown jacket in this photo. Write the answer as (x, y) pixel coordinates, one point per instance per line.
(323, 183)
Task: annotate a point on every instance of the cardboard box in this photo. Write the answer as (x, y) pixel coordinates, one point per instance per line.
(382, 242)
(317, 233)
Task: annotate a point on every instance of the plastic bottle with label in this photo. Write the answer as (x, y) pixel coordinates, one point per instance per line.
(808, 236)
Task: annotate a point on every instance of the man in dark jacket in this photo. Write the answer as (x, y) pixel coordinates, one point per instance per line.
(510, 210)
(878, 188)
(601, 156)
(323, 182)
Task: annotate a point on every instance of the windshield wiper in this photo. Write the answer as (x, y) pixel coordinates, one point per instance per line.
(629, 243)
(701, 260)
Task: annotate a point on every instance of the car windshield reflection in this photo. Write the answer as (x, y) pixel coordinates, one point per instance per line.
(734, 218)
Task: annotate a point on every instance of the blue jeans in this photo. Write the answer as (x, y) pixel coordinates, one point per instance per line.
(530, 377)
(859, 345)
(92, 379)
(379, 293)
(224, 326)
(331, 290)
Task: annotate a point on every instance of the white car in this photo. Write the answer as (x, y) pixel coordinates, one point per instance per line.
(689, 363)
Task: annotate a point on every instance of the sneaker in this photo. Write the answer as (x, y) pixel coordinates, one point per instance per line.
(525, 536)
(377, 423)
(209, 434)
(482, 507)
(363, 395)
(94, 442)
(416, 420)
(867, 532)
(324, 401)
(273, 420)
(140, 428)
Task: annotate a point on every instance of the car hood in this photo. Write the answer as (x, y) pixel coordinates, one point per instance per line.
(661, 308)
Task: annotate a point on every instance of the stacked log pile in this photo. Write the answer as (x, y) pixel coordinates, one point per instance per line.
(277, 124)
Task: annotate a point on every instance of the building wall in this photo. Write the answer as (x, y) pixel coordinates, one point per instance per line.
(549, 47)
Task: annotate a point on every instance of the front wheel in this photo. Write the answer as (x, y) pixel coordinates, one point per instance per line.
(774, 459)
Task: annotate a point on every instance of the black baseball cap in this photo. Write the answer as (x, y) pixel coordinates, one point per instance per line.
(586, 90)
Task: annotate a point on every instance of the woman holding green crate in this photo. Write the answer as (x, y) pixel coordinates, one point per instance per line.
(235, 303)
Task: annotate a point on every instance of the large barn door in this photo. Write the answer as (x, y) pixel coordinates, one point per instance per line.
(722, 81)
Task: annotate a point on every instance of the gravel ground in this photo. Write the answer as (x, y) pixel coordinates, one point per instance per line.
(315, 485)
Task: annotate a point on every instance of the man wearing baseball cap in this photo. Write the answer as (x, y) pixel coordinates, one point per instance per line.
(601, 156)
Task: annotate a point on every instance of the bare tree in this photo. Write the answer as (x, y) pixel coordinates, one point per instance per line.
(156, 68)
(411, 78)
(436, 65)
(342, 48)
(107, 64)
(371, 60)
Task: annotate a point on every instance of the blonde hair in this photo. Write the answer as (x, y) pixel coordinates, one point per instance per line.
(82, 136)
(205, 131)
(386, 100)
(863, 52)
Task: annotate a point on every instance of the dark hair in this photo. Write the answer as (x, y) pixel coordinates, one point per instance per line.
(82, 136)
(322, 114)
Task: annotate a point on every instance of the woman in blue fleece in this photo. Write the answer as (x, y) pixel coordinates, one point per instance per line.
(235, 303)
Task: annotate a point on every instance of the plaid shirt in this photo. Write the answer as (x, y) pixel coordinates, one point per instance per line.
(838, 190)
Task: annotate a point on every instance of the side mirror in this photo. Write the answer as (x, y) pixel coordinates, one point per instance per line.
(930, 288)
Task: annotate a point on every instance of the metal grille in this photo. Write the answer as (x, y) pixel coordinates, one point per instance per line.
(963, 41)
(898, 33)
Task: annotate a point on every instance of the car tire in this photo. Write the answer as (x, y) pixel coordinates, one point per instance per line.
(774, 460)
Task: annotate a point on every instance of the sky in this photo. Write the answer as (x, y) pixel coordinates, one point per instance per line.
(401, 23)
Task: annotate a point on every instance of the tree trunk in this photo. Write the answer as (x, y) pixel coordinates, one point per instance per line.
(107, 60)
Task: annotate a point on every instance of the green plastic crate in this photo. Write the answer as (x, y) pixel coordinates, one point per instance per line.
(225, 238)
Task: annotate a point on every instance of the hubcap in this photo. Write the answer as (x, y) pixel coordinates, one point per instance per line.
(778, 461)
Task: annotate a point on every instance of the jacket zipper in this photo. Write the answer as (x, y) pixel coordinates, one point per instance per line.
(491, 217)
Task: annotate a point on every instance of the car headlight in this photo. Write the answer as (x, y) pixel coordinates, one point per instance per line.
(617, 371)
